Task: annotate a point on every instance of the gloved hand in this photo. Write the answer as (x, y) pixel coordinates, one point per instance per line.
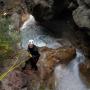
(30, 55)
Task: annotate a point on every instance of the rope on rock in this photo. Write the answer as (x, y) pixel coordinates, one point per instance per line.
(15, 65)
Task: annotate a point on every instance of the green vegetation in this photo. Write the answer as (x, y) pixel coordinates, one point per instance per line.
(6, 42)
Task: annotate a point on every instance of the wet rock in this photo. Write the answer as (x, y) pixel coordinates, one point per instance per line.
(42, 10)
(87, 51)
(9, 5)
(17, 58)
(15, 21)
(15, 81)
(83, 2)
(46, 64)
(85, 70)
(46, 9)
(21, 56)
(87, 2)
(24, 17)
(81, 16)
(80, 2)
(51, 57)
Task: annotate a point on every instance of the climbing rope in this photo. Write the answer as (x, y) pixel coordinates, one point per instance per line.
(15, 65)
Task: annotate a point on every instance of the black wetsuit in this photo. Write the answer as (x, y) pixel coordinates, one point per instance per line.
(35, 57)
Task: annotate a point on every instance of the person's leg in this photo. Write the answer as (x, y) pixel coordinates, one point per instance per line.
(35, 63)
(26, 64)
(32, 63)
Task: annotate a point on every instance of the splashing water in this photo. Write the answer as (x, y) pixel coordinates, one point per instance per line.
(41, 37)
(67, 77)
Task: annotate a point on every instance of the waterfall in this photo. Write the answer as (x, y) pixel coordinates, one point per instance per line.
(67, 77)
(40, 35)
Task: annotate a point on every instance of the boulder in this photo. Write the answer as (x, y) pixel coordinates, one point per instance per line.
(81, 16)
(83, 2)
(85, 70)
(15, 81)
(51, 57)
(87, 2)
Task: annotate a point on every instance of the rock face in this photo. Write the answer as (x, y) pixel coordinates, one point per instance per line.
(85, 70)
(51, 10)
(83, 2)
(51, 57)
(44, 78)
(87, 2)
(17, 20)
(45, 9)
(81, 16)
(15, 81)
(82, 13)
(9, 5)
(41, 9)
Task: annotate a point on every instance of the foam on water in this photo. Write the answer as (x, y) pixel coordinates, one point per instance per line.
(67, 77)
(30, 30)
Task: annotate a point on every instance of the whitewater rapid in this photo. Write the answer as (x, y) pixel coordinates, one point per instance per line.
(41, 36)
(67, 77)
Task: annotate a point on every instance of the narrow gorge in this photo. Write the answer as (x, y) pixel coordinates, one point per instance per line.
(61, 31)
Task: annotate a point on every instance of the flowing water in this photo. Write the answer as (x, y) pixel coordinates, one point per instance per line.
(41, 37)
(67, 77)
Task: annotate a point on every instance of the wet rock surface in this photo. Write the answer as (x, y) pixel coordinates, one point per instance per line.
(15, 81)
(52, 57)
(81, 16)
(85, 70)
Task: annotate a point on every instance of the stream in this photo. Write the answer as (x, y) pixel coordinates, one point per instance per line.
(66, 77)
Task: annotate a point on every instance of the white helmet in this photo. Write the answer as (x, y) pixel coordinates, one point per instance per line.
(31, 42)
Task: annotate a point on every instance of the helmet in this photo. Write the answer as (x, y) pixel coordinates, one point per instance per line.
(31, 42)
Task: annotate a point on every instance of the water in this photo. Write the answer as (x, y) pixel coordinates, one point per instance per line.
(41, 37)
(67, 77)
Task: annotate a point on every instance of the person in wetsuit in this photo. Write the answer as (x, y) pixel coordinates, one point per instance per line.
(33, 50)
